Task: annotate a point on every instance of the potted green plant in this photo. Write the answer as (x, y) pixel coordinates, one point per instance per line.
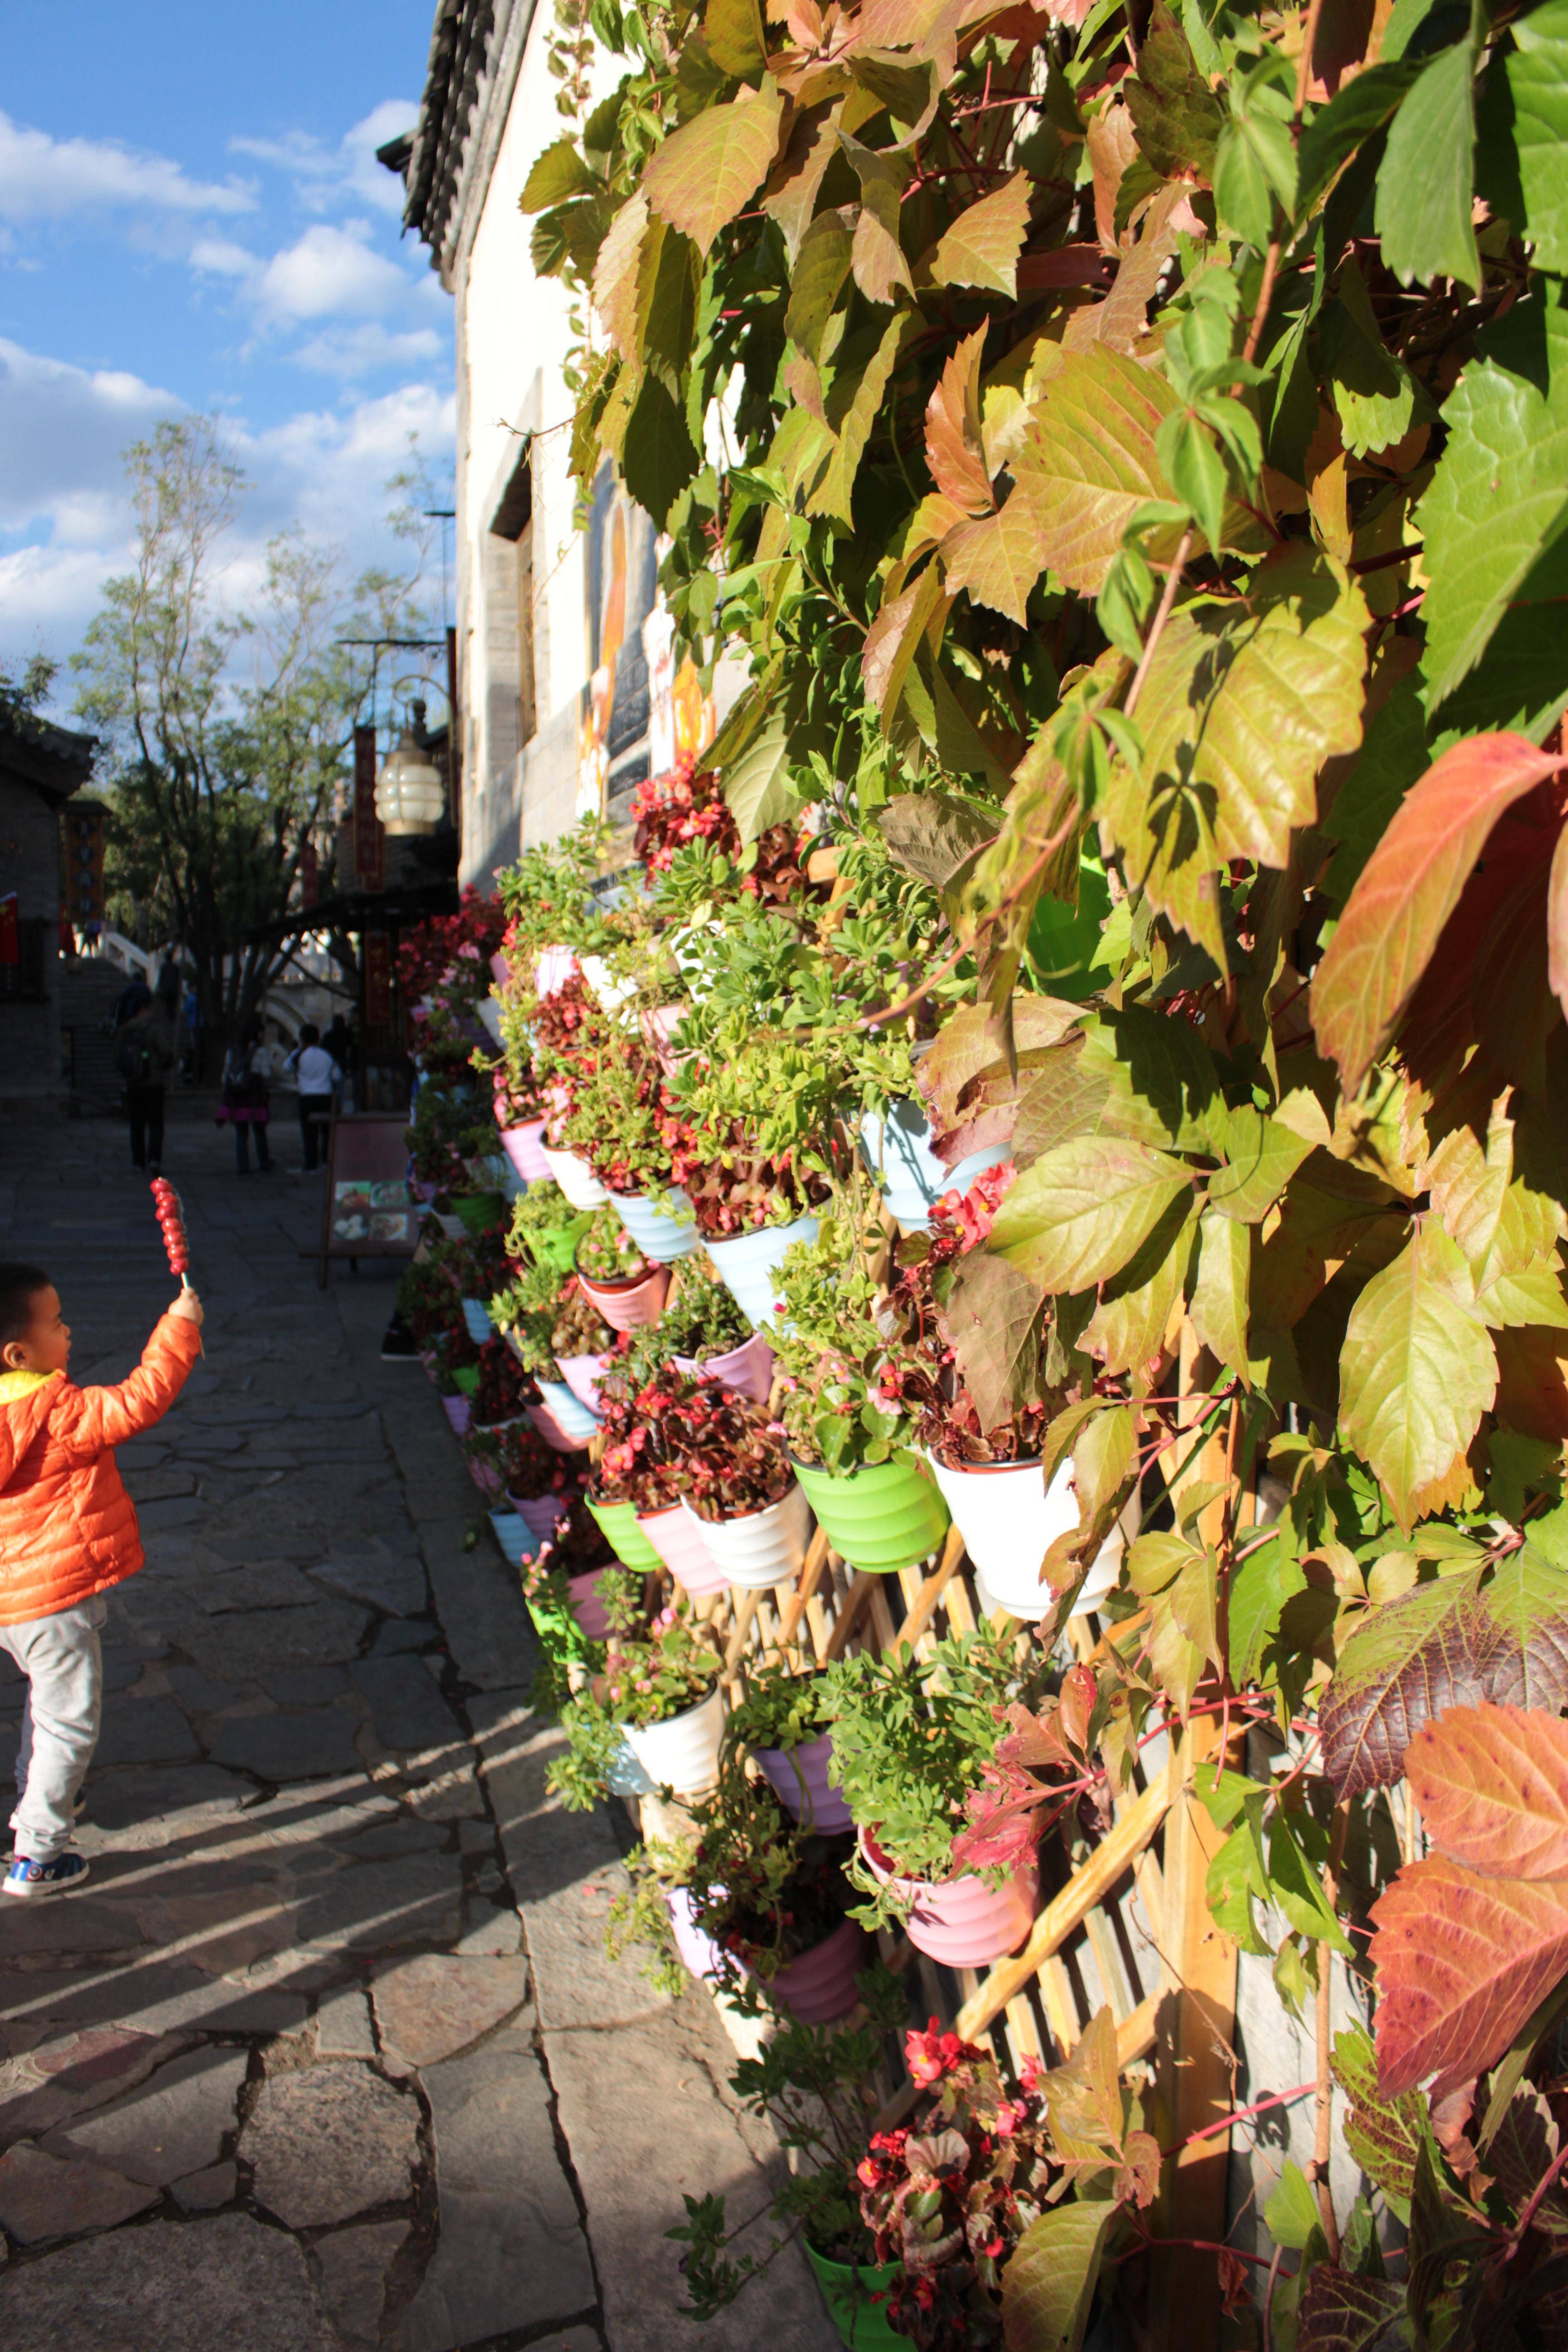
(705, 1335)
(741, 1485)
(537, 1482)
(615, 1277)
(545, 1227)
(620, 1123)
(848, 1430)
(782, 1720)
(660, 1689)
(817, 2088)
(911, 1738)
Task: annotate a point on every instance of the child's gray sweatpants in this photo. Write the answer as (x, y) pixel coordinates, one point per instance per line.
(60, 1657)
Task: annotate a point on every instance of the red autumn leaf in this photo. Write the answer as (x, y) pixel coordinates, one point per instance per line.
(1492, 1786)
(953, 450)
(1409, 888)
(1461, 1961)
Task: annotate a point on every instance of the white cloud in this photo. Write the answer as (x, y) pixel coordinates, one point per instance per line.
(219, 257)
(330, 272)
(62, 498)
(49, 179)
(322, 174)
(348, 352)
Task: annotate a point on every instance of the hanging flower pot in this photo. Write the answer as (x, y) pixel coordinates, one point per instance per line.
(552, 968)
(489, 1011)
(961, 1921)
(820, 1985)
(557, 1244)
(542, 1418)
(630, 1305)
(881, 1518)
(485, 1474)
(524, 1148)
(477, 1316)
(846, 2290)
(664, 1227)
(798, 1777)
(1008, 1519)
(570, 1414)
(456, 1410)
(747, 1263)
(611, 992)
(541, 1514)
(698, 1953)
(452, 1228)
(586, 1605)
(479, 1213)
(581, 1375)
(680, 1539)
(683, 1753)
(760, 1549)
(746, 1370)
(575, 1178)
(897, 1151)
(621, 1530)
(516, 1541)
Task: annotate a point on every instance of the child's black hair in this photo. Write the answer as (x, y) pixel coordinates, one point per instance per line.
(310, 1034)
(20, 1286)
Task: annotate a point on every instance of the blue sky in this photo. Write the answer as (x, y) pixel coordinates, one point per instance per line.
(192, 217)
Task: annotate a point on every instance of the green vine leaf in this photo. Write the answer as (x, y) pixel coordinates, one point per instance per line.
(1084, 1209)
(703, 174)
(1047, 2287)
(982, 247)
(1426, 183)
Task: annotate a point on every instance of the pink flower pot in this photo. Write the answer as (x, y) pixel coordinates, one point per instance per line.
(629, 1305)
(501, 968)
(581, 1375)
(485, 1475)
(961, 1921)
(587, 1606)
(658, 1028)
(458, 1409)
(550, 1429)
(698, 1952)
(523, 1148)
(820, 1985)
(746, 1370)
(785, 1770)
(676, 1537)
(541, 1514)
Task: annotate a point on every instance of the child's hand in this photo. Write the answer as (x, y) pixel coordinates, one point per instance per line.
(188, 1308)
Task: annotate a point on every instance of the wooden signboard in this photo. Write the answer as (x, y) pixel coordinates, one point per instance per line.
(368, 1211)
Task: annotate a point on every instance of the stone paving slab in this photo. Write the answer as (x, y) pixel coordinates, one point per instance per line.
(307, 2066)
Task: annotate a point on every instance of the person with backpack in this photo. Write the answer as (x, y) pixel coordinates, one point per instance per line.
(146, 1047)
(244, 1100)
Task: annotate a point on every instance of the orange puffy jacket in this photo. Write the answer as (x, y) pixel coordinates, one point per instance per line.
(68, 1527)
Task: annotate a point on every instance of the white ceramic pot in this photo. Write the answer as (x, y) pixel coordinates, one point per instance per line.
(747, 1263)
(683, 1753)
(897, 1151)
(611, 994)
(575, 1178)
(453, 1227)
(663, 1226)
(552, 968)
(765, 1548)
(1008, 1521)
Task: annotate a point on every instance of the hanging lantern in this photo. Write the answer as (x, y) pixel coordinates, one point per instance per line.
(408, 794)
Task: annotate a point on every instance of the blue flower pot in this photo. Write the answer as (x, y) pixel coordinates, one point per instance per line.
(747, 1264)
(476, 1315)
(898, 1152)
(515, 1538)
(572, 1414)
(663, 1226)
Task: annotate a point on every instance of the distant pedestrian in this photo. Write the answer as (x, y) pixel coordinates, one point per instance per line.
(339, 1043)
(245, 1099)
(318, 1075)
(133, 999)
(68, 1533)
(145, 1048)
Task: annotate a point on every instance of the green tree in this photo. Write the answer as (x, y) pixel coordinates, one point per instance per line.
(227, 730)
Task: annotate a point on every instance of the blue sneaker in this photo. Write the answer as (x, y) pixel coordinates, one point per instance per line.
(58, 1878)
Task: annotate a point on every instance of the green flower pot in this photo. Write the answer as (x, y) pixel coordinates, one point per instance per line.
(624, 1538)
(557, 1244)
(847, 2289)
(558, 1630)
(467, 1381)
(882, 1517)
(479, 1211)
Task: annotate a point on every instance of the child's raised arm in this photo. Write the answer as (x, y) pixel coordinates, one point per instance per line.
(89, 1421)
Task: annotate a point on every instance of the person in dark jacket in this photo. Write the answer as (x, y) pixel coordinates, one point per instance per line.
(146, 1048)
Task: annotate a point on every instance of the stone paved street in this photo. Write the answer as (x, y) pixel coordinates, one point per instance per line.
(328, 2054)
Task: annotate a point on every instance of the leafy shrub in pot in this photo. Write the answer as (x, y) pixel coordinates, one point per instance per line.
(660, 1680)
(544, 1224)
(783, 1721)
(502, 1391)
(912, 1737)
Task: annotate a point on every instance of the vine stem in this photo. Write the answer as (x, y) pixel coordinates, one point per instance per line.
(1271, 259)
(1322, 2140)
(1542, 2185)
(1167, 598)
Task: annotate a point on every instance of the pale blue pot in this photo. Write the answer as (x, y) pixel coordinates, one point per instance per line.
(912, 1178)
(477, 1317)
(517, 1541)
(664, 1227)
(747, 1264)
(572, 1414)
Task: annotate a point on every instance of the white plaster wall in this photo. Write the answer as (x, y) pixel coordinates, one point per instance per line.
(514, 337)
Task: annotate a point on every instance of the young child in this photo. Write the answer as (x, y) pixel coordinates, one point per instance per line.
(67, 1532)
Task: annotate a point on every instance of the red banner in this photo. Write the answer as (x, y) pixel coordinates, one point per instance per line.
(309, 876)
(377, 979)
(370, 841)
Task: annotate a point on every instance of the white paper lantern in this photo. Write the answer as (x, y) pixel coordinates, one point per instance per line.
(408, 794)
